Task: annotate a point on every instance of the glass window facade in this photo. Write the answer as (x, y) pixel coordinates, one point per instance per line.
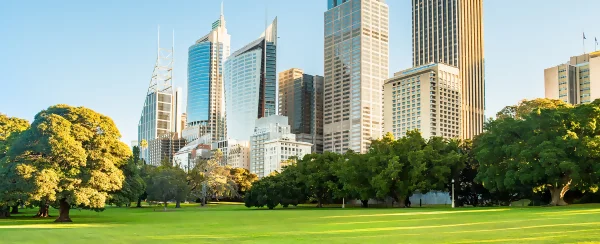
(250, 84)
(199, 67)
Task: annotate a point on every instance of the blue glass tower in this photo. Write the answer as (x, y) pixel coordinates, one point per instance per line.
(199, 62)
(205, 104)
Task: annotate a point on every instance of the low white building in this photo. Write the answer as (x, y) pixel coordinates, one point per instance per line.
(272, 143)
(281, 149)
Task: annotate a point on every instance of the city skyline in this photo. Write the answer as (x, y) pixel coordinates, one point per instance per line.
(53, 81)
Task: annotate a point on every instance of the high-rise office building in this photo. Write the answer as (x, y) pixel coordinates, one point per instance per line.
(451, 32)
(250, 84)
(356, 65)
(575, 82)
(162, 107)
(425, 98)
(301, 100)
(205, 104)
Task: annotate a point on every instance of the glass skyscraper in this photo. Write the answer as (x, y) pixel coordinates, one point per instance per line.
(356, 65)
(301, 100)
(250, 84)
(205, 104)
(451, 32)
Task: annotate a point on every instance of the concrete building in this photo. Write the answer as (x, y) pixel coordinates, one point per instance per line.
(574, 82)
(451, 32)
(160, 117)
(250, 84)
(425, 98)
(205, 101)
(164, 148)
(301, 100)
(238, 155)
(183, 121)
(272, 132)
(356, 65)
(187, 156)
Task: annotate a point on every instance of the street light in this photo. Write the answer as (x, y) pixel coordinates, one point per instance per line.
(452, 193)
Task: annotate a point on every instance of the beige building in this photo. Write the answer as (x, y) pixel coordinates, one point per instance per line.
(356, 66)
(239, 155)
(451, 32)
(575, 82)
(426, 98)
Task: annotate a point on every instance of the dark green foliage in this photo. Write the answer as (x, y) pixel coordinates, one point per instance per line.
(554, 147)
(133, 186)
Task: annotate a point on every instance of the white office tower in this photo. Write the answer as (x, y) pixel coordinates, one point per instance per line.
(273, 143)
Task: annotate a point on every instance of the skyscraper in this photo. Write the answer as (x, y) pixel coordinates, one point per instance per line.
(451, 32)
(301, 100)
(162, 107)
(356, 65)
(575, 82)
(206, 105)
(250, 84)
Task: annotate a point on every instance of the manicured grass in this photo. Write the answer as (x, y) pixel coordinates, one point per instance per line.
(230, 223)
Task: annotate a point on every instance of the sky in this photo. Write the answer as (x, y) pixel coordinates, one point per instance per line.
(100, 54)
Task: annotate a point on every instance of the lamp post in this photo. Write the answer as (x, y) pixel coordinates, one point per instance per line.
(452, 193)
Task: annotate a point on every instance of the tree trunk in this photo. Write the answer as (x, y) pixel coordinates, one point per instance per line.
(401, 202)
(4, 212)
(177, 204)
(319, 204)
(364, 203)
(558, 194)
(139, 203)
(165, 206)
(43, 212)
(15, 209)
(64, 211)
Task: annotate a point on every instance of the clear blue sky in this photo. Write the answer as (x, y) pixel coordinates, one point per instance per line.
(100, 54)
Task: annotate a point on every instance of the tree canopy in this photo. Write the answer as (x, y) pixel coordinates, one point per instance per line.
(554, 147)
(69, 157)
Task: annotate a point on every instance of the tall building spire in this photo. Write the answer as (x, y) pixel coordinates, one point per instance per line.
(222, 8)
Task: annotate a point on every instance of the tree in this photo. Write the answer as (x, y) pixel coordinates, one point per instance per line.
(167, 184)
(552, 149)
(243, 179)
(317, 173)
(69, 157)
(468, 191)
(355, 174)
(526, 107)
(143, 146)
(133, 186)
(136, 154)
(10, 129)
(209, 179)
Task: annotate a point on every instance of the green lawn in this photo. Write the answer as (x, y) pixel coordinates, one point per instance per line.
(237, 224)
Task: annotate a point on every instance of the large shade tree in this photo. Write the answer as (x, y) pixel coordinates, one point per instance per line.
(10, 129)
(554, 148)
(69, 157)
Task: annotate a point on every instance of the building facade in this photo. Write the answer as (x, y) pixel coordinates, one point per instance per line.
(451, 32)
(575, 82)
(356, 65)
(301, 100)
(250, 84)
(269, 132)
(425, 98)
(164, 148)
(238, 155)
(206, 104)
(278, 151)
